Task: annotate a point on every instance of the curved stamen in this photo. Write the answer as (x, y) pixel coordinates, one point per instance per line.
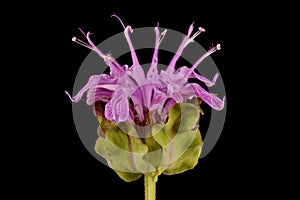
(212, 50)
(82, 32)
(116, 16)
(95, 48)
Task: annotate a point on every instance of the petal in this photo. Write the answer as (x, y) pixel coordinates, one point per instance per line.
(136, 71)
(147, 91)
(114, 66)
(164, 108)
(108, 86)
(212, 100)
(98, 94)
(180, 50)
(126, 82)
(136, 97)
(142, 98)
(158, 98)
(153, 72)
(120, 105)
(108, 111)
(183, 70)
(107, 79)
(133, 54)
(160, 87)
(168, 104)
(142, 95)
(177, 97)
(140, 112)
(98, 81)
(207, 82)
(93, 80)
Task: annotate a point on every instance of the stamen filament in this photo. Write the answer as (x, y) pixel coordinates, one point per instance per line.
(76, 40)
(212, 50)
(162, 35)
(200, 30)
(116, 16)
(82, 32)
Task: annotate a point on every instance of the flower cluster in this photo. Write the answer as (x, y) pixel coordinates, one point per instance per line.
(131, 94)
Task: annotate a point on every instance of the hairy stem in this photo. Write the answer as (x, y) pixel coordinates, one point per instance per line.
(150, 189)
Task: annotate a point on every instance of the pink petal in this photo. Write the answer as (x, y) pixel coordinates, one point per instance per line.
(212, 100)
(93, 80)
(180, 50)
(135, 71)
(183, 70)
(98, 94)
(108, 111)
(120, 106)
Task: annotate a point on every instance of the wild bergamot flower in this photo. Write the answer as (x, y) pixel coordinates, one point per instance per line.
(131, 95)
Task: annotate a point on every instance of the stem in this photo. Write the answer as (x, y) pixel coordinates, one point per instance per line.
(149, 188)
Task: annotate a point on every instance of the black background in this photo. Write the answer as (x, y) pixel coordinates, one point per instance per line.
(56, 161)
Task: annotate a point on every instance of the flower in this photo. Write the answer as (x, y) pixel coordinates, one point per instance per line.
(131, 94)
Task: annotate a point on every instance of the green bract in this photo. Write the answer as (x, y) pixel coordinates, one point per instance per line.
(170, 148)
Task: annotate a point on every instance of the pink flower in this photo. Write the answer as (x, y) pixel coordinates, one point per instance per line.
(132, 94)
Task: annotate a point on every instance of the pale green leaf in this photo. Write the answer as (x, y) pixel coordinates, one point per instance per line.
(189, 159)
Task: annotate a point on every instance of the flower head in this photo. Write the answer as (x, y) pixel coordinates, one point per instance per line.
(131, 94)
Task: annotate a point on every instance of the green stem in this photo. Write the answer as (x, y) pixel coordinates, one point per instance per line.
(149, 188)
